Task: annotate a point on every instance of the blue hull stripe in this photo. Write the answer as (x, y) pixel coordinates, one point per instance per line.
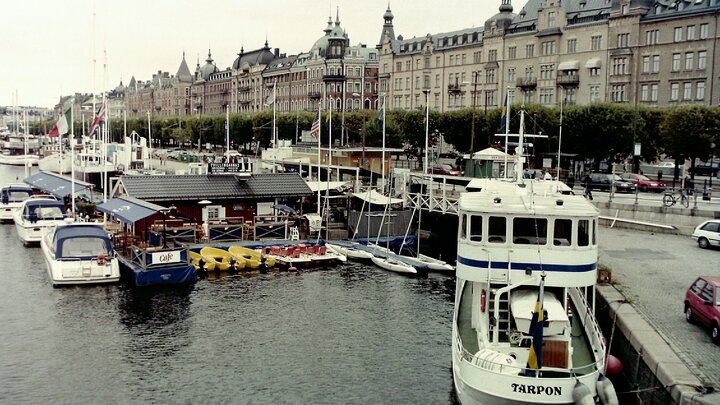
(569, 268)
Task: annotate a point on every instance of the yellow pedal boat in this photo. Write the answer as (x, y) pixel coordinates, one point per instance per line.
(222, 259)
(195, 261)
(253, 258)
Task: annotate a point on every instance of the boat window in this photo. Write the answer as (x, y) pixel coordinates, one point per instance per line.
(530, 231)
(583, 232)
(463, 227)
(18, 196)
(562, 232)
(476, 228)
(594, 232)
(83, 247)
(497, 229)
(50, 213)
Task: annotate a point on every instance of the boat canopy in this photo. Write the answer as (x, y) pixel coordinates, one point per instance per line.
(59, 186)
(43, 208)
(15, 192)
(129, 209)
(81, 241)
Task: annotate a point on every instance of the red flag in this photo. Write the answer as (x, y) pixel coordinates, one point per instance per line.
(99, 117)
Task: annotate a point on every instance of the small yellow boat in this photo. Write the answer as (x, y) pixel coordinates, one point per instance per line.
(253, 258)
(195, 261)
(222, 259)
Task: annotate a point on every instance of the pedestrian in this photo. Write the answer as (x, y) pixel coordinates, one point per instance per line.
(585, 182)
(570, 181)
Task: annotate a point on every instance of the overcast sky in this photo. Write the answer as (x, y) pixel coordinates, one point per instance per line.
(49, 45)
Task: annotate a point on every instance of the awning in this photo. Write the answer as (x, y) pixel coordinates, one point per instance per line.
(569, 65)
(129, 209)
(593, 63)
(316, 186)
(374, 197)
(55, 184)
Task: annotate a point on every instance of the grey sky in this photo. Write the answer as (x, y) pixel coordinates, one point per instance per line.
(49, 45)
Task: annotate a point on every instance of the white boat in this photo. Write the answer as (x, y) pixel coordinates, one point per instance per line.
(11, 198)
(524, 243)
(392, 264)
(37, 215)
(353, 253)
(56, 163)
(435, 264)
(79, 253)
(15, 151)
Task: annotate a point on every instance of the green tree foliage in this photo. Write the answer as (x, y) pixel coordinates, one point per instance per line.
(688, 131)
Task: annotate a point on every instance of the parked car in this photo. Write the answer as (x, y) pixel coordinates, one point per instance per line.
(445, 169)
(604, 181)
(702, 304)
(644, 183)
(711, 169)
(708, 233)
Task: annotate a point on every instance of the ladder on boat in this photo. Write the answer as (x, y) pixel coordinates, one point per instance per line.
(502, 317)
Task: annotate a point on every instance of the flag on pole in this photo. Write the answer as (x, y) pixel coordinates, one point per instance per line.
(63, 124)
(315, 128)
(99, 117)
(503, 111)
(537, 322)
(381, 114)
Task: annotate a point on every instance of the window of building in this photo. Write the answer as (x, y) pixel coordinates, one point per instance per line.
(644, 92)
(547, 95)
(675, 62)
(656, 64)
(548, 48)
(622, 40)
(702, 59)
(689, 56)
(704, 31)
(462, 77)
(452, 60)
(678, 34)
(529, 72)
(700, 91)
(654, 92)
(619, 66)
(595, 71)
(617, 92)
(551, 19)
(417, 64)
(572, 45)
(511, 96)
(674, 91)
(690, 34)
(624, 9)
(490, 76)
(426, 62)
(529, 50)
(511, 75)
(407, 83)
(417, 82)
(492, 55)
(463, 58)
(651, 37)
(438, 63)
(687, 91)
(646, 64)
(512, 52)
(408, 65)
(594, 93)
(547, 71)
(596, 42)
(476, 56)
(437, 80)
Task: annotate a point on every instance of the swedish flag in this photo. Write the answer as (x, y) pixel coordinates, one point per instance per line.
(381, 114)
(503, 119)
(534, 362)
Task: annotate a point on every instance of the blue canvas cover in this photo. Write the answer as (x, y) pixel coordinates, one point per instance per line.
(81, 241)
(44, 209)
(128, 209)
(54, 184)
(15, 193)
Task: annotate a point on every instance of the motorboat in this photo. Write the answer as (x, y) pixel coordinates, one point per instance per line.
(199, 262)
(221, 259)
(253, 258)
(524, 329)
(19, 149)
(36, 215)
(11, 198)
(79, 253)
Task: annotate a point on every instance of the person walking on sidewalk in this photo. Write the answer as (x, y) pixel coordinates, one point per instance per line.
(585, 182)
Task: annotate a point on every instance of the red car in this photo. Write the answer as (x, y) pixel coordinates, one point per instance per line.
(444, 169)
(702, 304)
(644, 183)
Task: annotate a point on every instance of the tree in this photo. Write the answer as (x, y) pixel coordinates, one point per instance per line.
(688, 131)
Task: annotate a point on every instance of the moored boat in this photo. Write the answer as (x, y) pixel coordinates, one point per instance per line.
(526, 265)
(79, 253)
(303, 255)
(11, 198)
(37, 215)
(392, 264)
(352, 250)
(253, 259)
(221, 259)
(148, 266)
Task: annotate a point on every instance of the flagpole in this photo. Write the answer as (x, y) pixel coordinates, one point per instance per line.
(507, 132)
(227, 133)
(72, 156)
(319, 134)
(383, 144)
(559, 143)
(25, 123)
(327, 175)
(149, 139)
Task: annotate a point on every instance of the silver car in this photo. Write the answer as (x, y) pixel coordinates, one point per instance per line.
(708, 234)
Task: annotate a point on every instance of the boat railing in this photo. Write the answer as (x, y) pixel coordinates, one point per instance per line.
(143, 257)
(516, 368)
(592, 327)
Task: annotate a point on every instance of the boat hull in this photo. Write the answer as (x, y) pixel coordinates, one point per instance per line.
(391, 265)
(181, 273)
(19, 160)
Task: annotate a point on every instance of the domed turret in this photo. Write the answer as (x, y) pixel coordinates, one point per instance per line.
(501, 20)
(208, 68)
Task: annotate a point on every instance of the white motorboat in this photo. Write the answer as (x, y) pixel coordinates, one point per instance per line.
(11, 198)
(526, 265)
(36, 215)
(435, 264)
(79, 253)
(19, 150)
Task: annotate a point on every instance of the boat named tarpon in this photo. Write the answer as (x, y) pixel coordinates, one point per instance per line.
(536, 389)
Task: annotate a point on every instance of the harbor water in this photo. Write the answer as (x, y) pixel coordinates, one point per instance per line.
(353, 334)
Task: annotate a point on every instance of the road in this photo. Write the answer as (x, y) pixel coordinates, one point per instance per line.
(653, 271)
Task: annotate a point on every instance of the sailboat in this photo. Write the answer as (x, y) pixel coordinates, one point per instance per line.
(524, 329)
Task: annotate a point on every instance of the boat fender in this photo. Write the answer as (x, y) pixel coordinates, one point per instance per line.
(483, 300)
(606, 391)
(581, 394)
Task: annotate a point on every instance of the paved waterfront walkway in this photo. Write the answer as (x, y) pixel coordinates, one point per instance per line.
(652, 273)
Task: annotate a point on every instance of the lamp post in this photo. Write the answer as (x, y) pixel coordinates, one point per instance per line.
(474, 105)
(712, 156)
(165, 212)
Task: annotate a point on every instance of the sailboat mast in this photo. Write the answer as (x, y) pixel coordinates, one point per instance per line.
(384, 118)
(72, 155)
(519, 154)
(319, 135)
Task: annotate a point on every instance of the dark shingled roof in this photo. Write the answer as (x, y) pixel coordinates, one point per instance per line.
(217, 187)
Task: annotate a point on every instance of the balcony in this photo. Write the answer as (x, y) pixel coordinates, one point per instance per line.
(568, 80)
(244, 88)
(314, 95)
(454, 89)
(334, 78)
(526, 83)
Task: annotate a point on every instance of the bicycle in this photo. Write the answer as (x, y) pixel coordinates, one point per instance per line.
(671, 197)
